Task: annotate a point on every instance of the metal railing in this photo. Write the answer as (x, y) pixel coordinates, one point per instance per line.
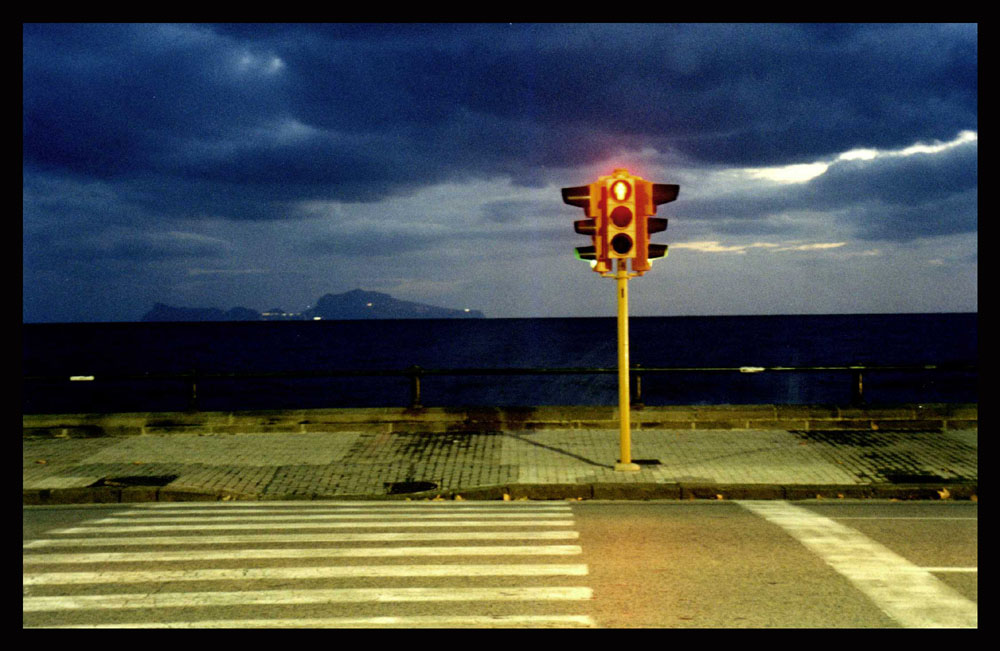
(417, 374)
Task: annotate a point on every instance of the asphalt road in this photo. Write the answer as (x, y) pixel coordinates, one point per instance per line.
(707, 564)
(722, 565)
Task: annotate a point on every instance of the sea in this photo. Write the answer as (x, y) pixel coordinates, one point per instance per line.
(146, 352)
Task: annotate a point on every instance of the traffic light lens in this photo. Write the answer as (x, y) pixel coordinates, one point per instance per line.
(620, 190)
(621, 243)
(621, 216)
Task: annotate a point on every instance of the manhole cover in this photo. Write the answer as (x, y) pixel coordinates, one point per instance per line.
(403, 487)
(134, 480)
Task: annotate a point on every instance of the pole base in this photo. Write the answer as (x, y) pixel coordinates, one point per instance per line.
(627, 467)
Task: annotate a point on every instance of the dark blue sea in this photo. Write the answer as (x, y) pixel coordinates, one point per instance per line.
(107, 350)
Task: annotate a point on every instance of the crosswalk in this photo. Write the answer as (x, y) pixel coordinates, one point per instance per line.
(311, 564)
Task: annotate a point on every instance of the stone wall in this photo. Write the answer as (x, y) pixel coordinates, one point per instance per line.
(432, 420)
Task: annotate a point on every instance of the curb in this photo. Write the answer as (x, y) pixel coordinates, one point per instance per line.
(623, 491)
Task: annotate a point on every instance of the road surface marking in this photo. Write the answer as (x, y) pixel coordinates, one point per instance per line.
(898, 517)
(256, 526)
(429, 621)
(443, 518)
(364, 507)
(159, 587)
(909, 594)
(344, 513)
(339, 552)
(374, 504)
(283, 597)
(326, 572)
(303, 537)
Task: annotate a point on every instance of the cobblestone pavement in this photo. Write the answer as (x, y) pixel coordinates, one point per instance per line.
(545, 464)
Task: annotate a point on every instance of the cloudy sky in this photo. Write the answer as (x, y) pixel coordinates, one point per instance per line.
(823, 168)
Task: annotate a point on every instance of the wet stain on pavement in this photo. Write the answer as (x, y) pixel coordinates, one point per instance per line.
(407, 487)
(896, 456)
(134, 480)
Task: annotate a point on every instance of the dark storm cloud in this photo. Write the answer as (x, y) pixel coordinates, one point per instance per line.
(135, 248)
(505, 211)
(115, 100)
(570, 94)
(164, 159)
(892, 197)
(906, 197)
(793, 93)
(368, 242)
(239, 115)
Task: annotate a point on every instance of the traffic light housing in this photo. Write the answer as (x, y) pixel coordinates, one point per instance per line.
(619, 209)
(650, 195)
(589, 198)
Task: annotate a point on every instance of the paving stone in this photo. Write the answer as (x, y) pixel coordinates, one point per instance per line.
(569, 463)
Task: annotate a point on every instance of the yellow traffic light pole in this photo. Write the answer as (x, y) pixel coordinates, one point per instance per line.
(619, 211)
(625, 462)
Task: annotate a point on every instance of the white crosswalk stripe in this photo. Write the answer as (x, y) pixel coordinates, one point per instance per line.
(173, 566)
(244, 597)
(305, 573)
(327, 552)
(910, 594)
(110, 528)
(439, 621)
(293, 538)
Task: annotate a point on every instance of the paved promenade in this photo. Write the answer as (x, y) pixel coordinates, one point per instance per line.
(516, 464)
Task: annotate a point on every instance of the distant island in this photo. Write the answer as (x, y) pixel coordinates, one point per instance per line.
(352, 305)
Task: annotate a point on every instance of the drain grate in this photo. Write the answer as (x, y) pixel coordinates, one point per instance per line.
(134, 480)
(404, 487)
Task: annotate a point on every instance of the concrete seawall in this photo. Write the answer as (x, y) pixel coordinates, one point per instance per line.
(458, 419)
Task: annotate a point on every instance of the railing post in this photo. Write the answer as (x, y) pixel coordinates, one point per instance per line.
(193, 402)
(415, 388)
(633, 377)
(857, 388)
(637, 401)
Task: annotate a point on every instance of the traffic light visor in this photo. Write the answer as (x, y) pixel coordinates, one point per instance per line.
(656, 224)
(578, 196)
(657, 251)
(664, 193)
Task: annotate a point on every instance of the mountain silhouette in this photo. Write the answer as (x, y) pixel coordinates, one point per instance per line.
(352, 305)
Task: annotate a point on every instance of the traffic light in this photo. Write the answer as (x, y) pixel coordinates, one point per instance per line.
(619, 209)
(650, 195)
(588, 197)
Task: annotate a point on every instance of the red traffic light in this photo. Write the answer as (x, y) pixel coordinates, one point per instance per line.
(621, 190)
